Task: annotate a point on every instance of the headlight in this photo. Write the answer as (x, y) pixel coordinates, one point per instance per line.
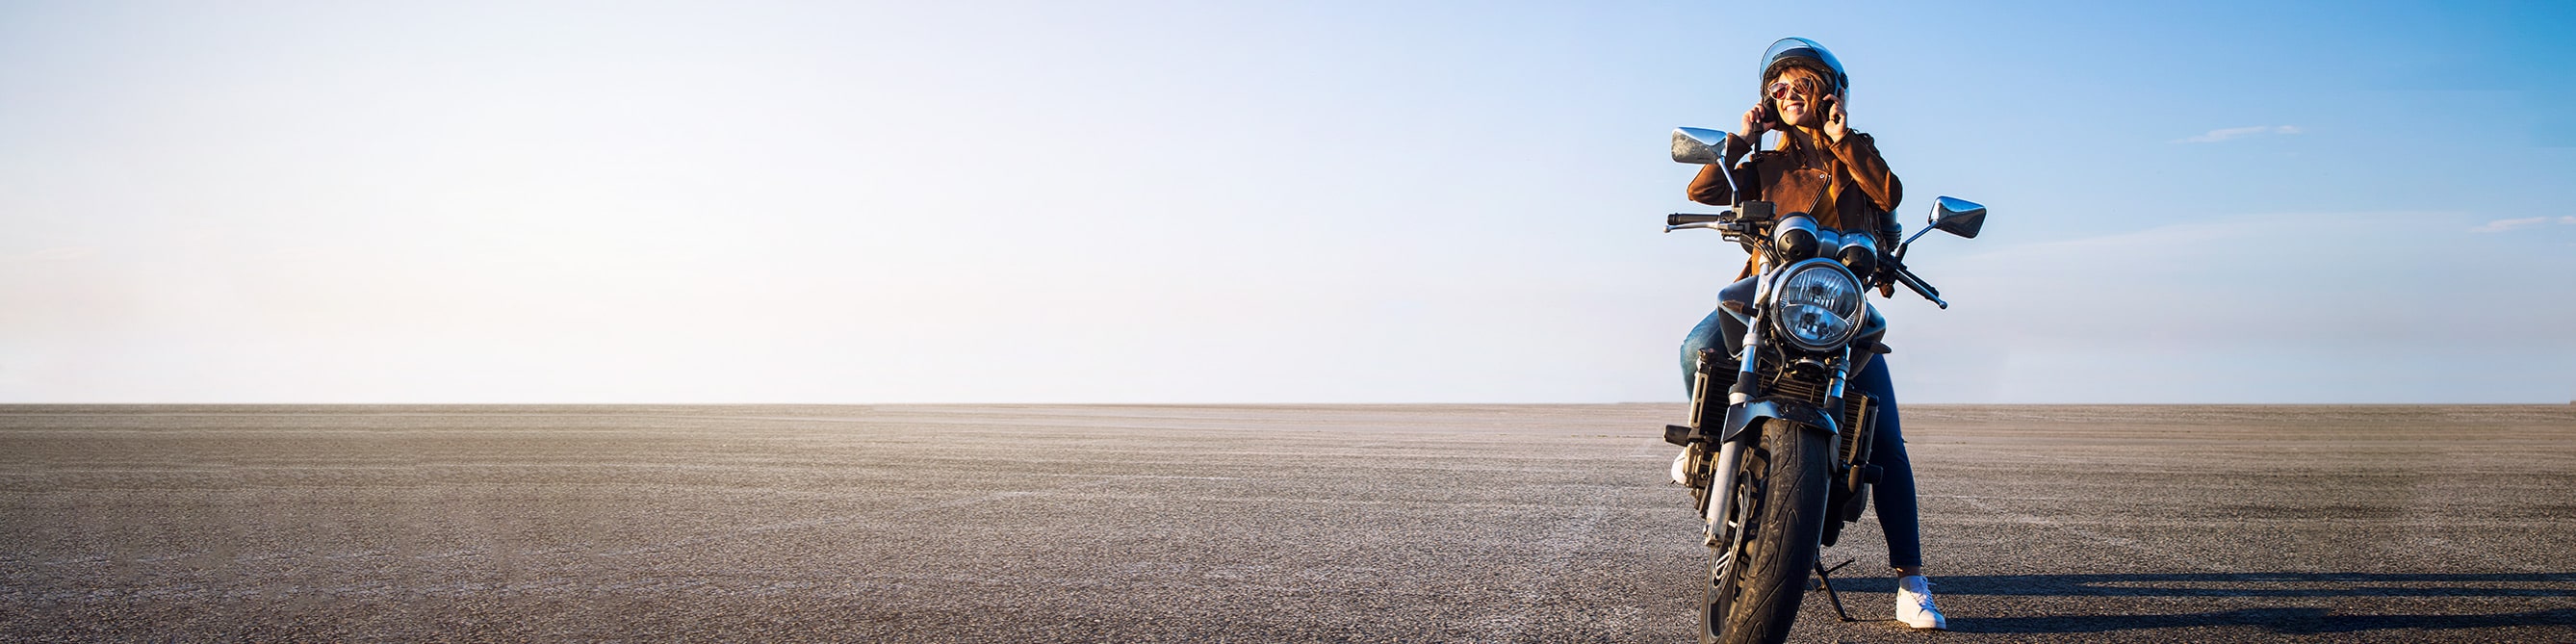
(1818, 305)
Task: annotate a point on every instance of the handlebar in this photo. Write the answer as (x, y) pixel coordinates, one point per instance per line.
(1911, 281)
(1891, 262)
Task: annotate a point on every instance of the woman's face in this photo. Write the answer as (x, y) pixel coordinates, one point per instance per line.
(1794, 96)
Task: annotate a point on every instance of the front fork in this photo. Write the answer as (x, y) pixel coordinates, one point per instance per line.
(1730, 453)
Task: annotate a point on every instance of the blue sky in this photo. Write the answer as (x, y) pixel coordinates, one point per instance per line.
(1249, 202)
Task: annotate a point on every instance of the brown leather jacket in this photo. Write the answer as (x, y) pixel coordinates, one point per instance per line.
(1845, 186)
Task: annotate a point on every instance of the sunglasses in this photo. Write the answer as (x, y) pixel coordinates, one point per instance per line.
(1782, 89)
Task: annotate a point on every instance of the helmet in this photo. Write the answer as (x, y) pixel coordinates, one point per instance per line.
(1804, 53)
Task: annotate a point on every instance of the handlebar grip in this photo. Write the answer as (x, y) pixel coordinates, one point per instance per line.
(1681, 218)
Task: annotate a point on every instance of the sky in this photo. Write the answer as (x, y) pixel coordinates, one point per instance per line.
(1251, 202)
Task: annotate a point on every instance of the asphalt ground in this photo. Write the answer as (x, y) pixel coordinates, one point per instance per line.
(1244, 524)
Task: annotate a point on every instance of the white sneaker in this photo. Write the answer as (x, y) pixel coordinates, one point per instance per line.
(1679, 460)
(1914, 604)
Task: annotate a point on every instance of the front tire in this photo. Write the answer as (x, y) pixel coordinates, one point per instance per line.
(1756, 580)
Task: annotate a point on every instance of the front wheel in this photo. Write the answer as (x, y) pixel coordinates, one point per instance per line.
(1757, 578)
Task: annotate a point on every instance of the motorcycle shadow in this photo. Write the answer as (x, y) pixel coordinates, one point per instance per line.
(2351, 613)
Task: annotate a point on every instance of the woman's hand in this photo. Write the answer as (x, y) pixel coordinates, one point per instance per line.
(1835, 128)
(1756, 121)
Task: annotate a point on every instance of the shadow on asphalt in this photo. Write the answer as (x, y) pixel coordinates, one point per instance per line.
(2285, 620)
(2288, 621)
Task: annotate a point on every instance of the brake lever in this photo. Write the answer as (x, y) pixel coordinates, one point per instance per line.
(1916, 284)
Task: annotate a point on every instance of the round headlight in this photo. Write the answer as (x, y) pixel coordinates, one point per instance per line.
(1818, 305)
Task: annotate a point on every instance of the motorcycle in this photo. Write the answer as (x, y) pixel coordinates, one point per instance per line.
(1791, 448)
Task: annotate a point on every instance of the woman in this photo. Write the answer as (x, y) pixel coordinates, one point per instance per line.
(1822, 168)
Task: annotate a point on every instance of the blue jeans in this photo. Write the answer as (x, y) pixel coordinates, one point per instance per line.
(1894, 493)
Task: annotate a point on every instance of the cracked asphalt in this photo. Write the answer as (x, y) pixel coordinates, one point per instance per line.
(1340, 523)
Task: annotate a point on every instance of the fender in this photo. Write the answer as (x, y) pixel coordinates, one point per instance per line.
(1741, 416)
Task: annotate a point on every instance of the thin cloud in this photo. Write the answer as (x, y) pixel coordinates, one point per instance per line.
(2502, 225)
(2093, 319)
(52, 254)
(2222, 134)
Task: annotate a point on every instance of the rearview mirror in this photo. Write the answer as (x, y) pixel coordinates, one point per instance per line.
(1949, 214)
(1696, 145)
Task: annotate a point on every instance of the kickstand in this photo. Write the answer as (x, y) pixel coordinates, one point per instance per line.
(1824, 575)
